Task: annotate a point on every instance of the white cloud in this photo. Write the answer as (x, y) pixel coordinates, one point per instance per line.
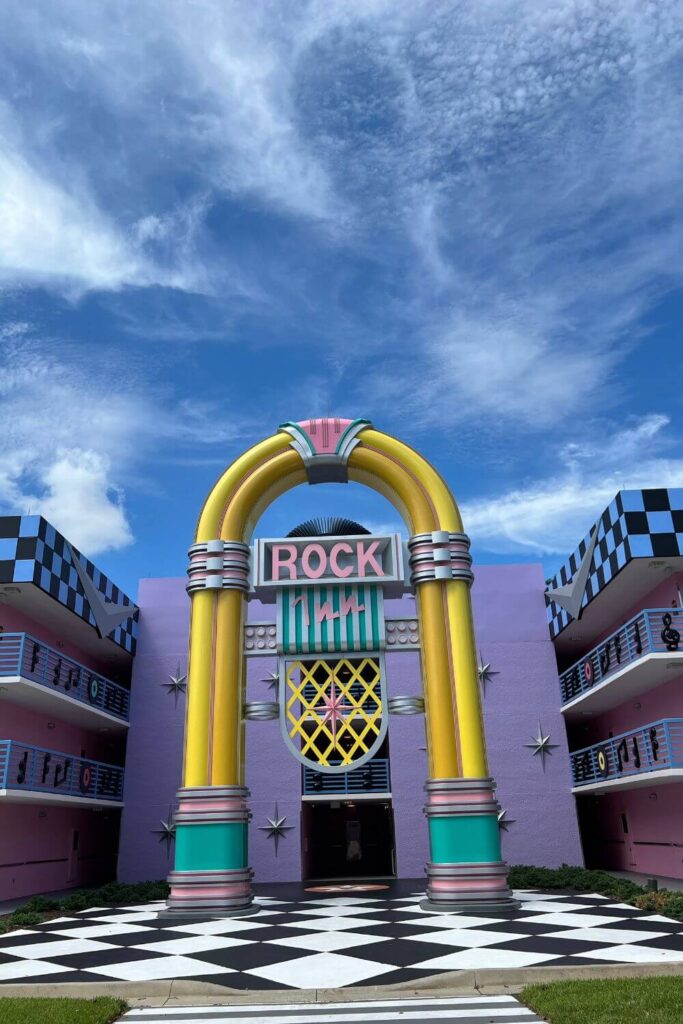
(550, 516)
(70, 439)
(80, 501)
(48, 234)
(508, 174)
(503, 365)
(55, 234)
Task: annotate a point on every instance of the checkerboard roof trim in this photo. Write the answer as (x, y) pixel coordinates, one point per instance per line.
(33, 551)
(636, 524)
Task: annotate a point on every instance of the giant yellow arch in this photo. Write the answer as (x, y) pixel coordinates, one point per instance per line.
(211, 846)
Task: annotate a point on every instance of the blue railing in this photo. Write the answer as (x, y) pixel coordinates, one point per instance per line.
(652, 631)
(23, 655)
(372, 777)
(650, 748)
(24, 767)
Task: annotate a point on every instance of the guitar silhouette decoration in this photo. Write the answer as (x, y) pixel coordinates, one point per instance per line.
(107, 614)
(570, 596)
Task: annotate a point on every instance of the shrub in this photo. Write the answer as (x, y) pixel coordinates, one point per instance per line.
(78, 901)
(24, 918)
(525, 876)
(41, 904)
(661, 902)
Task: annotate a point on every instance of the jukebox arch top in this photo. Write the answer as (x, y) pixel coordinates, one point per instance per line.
(459, 791)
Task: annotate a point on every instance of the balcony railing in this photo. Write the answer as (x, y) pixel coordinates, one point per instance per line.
(372, 777)
(33, 769)
(23, 655)
(652, 631)
(651, 748)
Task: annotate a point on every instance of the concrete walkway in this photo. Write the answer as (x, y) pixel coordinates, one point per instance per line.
(675, 884)
(477, 1009)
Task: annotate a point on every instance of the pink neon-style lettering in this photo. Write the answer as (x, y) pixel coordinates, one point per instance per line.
(283, 557)
(302, 599)
(350, 604)
(324, 612)
(337, 550)
(366, 557)
(310, 572)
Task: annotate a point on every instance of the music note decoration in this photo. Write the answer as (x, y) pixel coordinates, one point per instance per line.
(671, 638)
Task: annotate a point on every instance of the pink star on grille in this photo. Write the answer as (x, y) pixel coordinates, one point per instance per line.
(335, 709)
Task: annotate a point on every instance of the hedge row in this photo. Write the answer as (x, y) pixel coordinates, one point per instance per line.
(661, 901)
(114, 894)
(523, 876)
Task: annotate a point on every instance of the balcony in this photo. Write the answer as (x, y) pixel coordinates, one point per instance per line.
(371, 780)
(38, 676)
(639, 656)
(33, 775)
(650, 755)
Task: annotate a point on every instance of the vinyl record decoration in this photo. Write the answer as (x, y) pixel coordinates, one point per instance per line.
(603, 761)
(588, 671)
(93, 689)
(85, 779)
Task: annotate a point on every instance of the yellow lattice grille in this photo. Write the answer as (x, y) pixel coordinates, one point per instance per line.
(334, 708)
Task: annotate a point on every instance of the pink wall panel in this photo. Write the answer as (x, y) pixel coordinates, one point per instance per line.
(36, 844)
(28, 726)
(654, 842)
(662, 596)
(666, 701)
(13, 620)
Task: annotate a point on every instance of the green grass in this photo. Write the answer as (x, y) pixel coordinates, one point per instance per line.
(60, 1011)
(627, 1001)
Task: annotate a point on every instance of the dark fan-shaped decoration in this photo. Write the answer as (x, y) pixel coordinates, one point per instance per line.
(327, 526)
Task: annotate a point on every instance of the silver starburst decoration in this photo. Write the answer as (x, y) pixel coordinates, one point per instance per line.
(178, 684)
(167, 831)
(276, 827)
(486, 673)
(541, 745)
(272, 679)
(504, 821)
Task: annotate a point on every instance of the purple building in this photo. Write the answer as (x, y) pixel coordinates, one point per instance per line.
(381, 804)
(93, 702)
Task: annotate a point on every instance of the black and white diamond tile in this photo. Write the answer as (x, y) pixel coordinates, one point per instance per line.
(302, 940)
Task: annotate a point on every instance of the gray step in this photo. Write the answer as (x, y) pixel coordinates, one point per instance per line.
(461, 1010)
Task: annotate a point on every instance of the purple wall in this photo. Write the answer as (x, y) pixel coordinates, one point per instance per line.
(155, 738)
(512, 635)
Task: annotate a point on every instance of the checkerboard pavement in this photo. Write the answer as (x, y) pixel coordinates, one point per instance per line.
(301, 940)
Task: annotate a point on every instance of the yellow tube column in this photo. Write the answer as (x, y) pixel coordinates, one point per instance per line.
(212, 873)
(465, 869)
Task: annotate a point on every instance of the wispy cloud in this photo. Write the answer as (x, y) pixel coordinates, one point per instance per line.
(551, 515)
(491, 190)
(71, 444)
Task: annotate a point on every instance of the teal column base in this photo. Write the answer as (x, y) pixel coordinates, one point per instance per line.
(466, 871)
(211, 877)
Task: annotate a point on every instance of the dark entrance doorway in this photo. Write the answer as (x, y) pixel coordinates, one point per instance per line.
(348, 839)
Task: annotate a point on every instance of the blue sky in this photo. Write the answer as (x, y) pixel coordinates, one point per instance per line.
(462, 221)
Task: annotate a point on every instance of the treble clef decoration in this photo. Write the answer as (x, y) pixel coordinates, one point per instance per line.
(670, 637)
